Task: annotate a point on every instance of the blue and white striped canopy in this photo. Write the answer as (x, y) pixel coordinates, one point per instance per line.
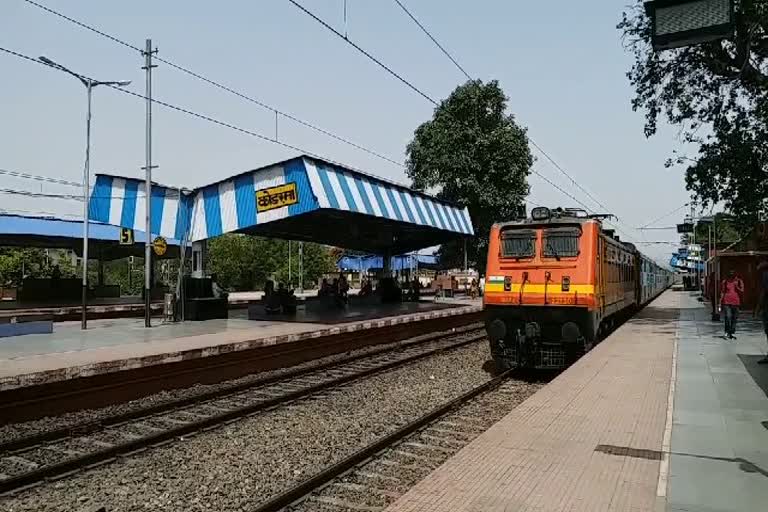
(231, 205)
(122, 202)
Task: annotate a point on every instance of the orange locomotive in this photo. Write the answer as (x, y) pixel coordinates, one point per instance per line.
(556, 282)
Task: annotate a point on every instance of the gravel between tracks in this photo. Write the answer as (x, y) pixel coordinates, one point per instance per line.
(17, 430)
(239, 465)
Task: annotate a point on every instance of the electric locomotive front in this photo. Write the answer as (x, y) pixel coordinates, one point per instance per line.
(540, 289)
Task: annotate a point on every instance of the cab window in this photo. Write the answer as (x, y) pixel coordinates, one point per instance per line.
(518, 243)
(560, 242)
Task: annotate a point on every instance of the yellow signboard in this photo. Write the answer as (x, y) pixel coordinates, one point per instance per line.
(126, 236)
(276, 197)
(159, 246)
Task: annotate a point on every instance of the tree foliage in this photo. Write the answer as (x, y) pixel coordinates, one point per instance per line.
(472, 152)
(717, 93)
(243, 262)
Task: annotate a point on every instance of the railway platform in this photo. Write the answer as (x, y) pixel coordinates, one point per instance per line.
(663, 415)
(114, 345)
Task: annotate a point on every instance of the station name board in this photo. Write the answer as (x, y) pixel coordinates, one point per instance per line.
(276, 197)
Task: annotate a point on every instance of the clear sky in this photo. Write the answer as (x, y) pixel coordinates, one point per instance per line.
(561, 63)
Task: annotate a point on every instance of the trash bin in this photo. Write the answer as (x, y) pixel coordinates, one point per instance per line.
(169, 307)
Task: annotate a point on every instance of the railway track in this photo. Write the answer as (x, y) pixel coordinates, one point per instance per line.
(30, 460)
(379, 473)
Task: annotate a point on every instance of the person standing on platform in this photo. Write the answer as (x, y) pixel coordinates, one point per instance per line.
(731, 291)
(762, 301)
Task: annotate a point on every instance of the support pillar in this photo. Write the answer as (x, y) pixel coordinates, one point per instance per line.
(386, 269)
(199, 250)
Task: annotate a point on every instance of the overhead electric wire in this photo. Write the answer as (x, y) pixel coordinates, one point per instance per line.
(428, 98)
(35, 177)
(654, 221)
(533, 142)
(398, 2)
(215, 121)
(364, 52)
(219, 85)
(294, 118)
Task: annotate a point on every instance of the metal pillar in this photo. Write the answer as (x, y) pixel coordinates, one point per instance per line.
(465, 255)
(148, 52)
(716, 262)
(86, 189)
(289, 264)
(301, 266)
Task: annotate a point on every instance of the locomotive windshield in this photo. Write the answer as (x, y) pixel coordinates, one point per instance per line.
(560, 242)
(518, 243)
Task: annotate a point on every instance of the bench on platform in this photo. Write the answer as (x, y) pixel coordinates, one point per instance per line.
(199, 302)
(206, 308)
(25, 324)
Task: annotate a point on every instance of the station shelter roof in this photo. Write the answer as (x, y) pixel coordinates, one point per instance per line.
(56, 233)
(400, 262)
(303, 198)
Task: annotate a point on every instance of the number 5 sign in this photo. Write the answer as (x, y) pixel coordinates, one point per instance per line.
(126, 236)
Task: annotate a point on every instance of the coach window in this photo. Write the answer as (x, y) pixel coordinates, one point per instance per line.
(560, 242)
(518, 243)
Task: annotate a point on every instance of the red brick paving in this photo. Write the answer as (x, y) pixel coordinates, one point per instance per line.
(541, 457)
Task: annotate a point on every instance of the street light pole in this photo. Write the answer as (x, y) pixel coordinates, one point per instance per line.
(89, 84)
(86, 188)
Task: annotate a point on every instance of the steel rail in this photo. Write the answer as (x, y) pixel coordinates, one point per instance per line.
(106, 454)
(89, 426)
(304, 488)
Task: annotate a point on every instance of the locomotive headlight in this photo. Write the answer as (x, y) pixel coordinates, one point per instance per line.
(565, 283)
(540, 213)
(507, 283)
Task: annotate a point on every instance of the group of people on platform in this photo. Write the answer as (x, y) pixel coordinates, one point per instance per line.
(282, 299)
(337, 290)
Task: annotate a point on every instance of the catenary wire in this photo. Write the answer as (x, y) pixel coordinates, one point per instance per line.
(654, 221)
(423, 29)
(209, 119)
(218, 85)
(533, 142)
(17, 174)
(294, 118)
(428, 98)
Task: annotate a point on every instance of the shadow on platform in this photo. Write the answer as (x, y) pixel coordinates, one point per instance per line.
(758, 372)
(316, 312)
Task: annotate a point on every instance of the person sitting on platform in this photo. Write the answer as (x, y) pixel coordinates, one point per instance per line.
(366, 288)
(416, 290)
(287, 299)
(218, 291)
(271, 299)
(341, 288)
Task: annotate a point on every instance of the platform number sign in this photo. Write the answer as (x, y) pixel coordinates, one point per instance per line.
(126, 236)
(159, 246)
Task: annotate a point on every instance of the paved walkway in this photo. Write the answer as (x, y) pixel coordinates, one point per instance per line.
(599, 437)
(719, 459)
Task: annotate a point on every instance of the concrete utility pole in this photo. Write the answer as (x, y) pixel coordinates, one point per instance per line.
(89, 84)
(148, 52)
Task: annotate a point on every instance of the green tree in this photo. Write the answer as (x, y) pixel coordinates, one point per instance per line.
(473, 153)
(717, 93)
(243, 262)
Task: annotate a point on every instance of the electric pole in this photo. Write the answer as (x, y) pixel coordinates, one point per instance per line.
(148, 52)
